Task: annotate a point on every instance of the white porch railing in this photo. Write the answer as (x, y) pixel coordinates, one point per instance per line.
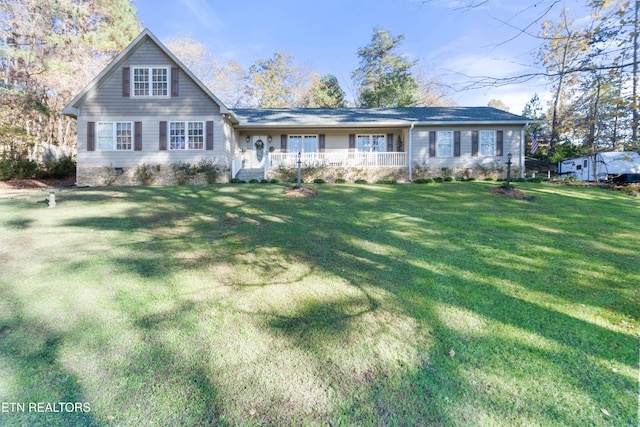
(340, 159)
(236, 165)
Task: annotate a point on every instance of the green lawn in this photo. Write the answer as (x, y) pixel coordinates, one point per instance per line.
(436, 304)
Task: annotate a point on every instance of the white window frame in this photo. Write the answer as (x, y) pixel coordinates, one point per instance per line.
(190, 141)
(115, 134)
(444, 143)
(375, 143)
(151, 86)
(308, 143)
(487, 143)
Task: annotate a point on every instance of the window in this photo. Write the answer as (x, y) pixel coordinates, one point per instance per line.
(186, 135)
(150, 81)
(444, 144)
(303, 143)
(487, 143)
(371, 143)
(114, 136)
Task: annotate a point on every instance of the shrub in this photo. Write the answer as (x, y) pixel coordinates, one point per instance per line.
(438, 179)
(264, 181)
(6, 168)
(386, 181)
(361, 181)
(488, 178)
(448, 178)
(253, 181)
(61, 168)
(275, 181)
(183, 172)
(422, 181)
(146, 173)
(237, 181)
(24, 168)
(319, 181)
(210, 169)
(340, 181)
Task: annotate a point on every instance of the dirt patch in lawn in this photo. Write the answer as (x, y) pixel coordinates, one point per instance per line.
(36, 184)
(511, 193)
(299, 192)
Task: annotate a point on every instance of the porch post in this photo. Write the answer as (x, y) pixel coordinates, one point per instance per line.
(410, 157)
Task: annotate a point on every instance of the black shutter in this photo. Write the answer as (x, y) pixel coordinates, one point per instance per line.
(390, 143)
(283, 143)
(163, 136)
(456, 143)
(432, 144)
(91, 136)
(137, 136)
(474, 143)
(499, 142)
(321, 143)
(352, 142)
(209, 135)
(175, 72)
(126, 82)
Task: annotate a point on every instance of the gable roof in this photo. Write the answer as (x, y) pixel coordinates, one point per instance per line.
(72, 108)
(343, 117)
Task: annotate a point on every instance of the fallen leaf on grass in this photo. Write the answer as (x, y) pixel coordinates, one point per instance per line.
(604, 411)
(452, 352)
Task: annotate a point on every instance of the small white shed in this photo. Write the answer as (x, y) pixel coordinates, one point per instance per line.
(612, 165)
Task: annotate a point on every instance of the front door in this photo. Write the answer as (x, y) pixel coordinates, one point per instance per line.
(258, 152)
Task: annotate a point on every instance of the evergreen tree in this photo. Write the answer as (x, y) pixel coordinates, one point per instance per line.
(384, 77)
(327, 93)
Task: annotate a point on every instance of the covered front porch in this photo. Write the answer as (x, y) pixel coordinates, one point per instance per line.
(329, 159)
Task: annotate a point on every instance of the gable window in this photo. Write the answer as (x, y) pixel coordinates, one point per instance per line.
(487, 143)
(444, 144)
(303, 143)
(371, 143)
(186, 136)
(114, 136)
(150, 81)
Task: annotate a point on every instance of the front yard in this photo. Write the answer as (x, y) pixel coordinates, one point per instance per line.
(438, 304)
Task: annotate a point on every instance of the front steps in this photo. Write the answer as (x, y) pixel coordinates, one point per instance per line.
(249, 174)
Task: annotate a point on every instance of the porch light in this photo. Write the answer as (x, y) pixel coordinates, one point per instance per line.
(248, 139)
(269, 138)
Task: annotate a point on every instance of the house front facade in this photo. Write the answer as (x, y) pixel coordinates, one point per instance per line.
(146, 108)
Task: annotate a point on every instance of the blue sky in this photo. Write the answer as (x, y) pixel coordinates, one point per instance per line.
(448, 41)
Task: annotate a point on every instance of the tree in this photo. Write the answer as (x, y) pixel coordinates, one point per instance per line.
(432, 92)
(227, 81)
(48, 53)
(277, 83)
(384, 78)
(496, 103)
(327, 93)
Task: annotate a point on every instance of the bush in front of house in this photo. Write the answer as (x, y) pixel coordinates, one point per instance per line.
(210, 169)
(146, 173)
(423, 180)
(183, 172)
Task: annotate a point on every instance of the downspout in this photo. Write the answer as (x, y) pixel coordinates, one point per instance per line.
(522, 144)
(410, 151)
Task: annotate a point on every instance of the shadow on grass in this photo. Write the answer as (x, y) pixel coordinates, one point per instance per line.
(33, 377)
(418, 252)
